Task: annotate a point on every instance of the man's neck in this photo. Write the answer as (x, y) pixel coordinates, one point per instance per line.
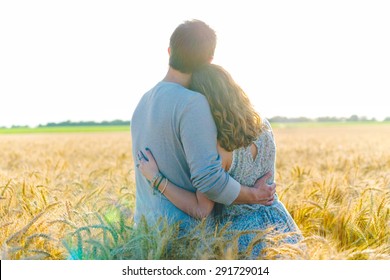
(177, 77)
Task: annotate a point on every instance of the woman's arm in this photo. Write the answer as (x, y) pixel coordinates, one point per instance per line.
(196, 204)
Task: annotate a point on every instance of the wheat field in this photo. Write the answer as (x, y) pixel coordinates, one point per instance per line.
(72, 195)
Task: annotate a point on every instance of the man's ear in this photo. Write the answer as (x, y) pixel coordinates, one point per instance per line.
(169, 51)
(211, 59)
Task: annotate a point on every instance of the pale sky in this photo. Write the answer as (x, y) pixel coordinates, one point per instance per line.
(83, 60)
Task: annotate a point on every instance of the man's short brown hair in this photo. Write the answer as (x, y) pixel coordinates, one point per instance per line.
(192, 45)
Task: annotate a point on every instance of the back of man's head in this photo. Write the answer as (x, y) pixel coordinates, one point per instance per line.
(192, 45)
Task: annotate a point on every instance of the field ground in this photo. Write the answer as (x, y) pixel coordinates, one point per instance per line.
(71, 196)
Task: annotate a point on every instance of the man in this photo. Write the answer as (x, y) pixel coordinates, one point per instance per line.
(176, 124)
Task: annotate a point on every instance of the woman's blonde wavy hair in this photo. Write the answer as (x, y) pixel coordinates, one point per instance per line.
(237, 122)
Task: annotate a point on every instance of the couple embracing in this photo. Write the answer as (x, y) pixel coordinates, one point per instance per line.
(200, 148)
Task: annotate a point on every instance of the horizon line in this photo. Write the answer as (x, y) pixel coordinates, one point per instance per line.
(271, 119)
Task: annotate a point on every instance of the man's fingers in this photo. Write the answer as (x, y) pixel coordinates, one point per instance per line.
(270, 202)
(267, 176)
(272, 189)
(267, 202)
(273, 186)
(267, 199)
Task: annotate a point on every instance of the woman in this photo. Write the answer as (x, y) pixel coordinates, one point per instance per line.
(247, 149)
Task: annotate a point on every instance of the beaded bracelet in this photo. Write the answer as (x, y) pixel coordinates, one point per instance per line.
(165, 186)
(155, 178)
(158, 184)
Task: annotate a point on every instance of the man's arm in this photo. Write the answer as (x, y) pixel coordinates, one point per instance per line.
(198, 135)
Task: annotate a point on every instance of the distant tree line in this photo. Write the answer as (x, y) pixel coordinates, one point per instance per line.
(87, 123)
(353, 118)
(277, 119)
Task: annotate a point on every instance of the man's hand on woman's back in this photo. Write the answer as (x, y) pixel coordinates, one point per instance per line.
(261, 193)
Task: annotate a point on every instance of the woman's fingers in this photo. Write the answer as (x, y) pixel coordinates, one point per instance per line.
(147, 164)
(149, 154)
(141, 156)
(141, 160)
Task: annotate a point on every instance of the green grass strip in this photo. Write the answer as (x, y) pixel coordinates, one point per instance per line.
(65, 129)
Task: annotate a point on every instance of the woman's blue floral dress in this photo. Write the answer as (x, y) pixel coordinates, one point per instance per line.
(247, 217)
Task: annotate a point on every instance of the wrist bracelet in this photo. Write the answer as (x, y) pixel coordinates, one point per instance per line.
(155, 178)
(165, 186)
(158, 184)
